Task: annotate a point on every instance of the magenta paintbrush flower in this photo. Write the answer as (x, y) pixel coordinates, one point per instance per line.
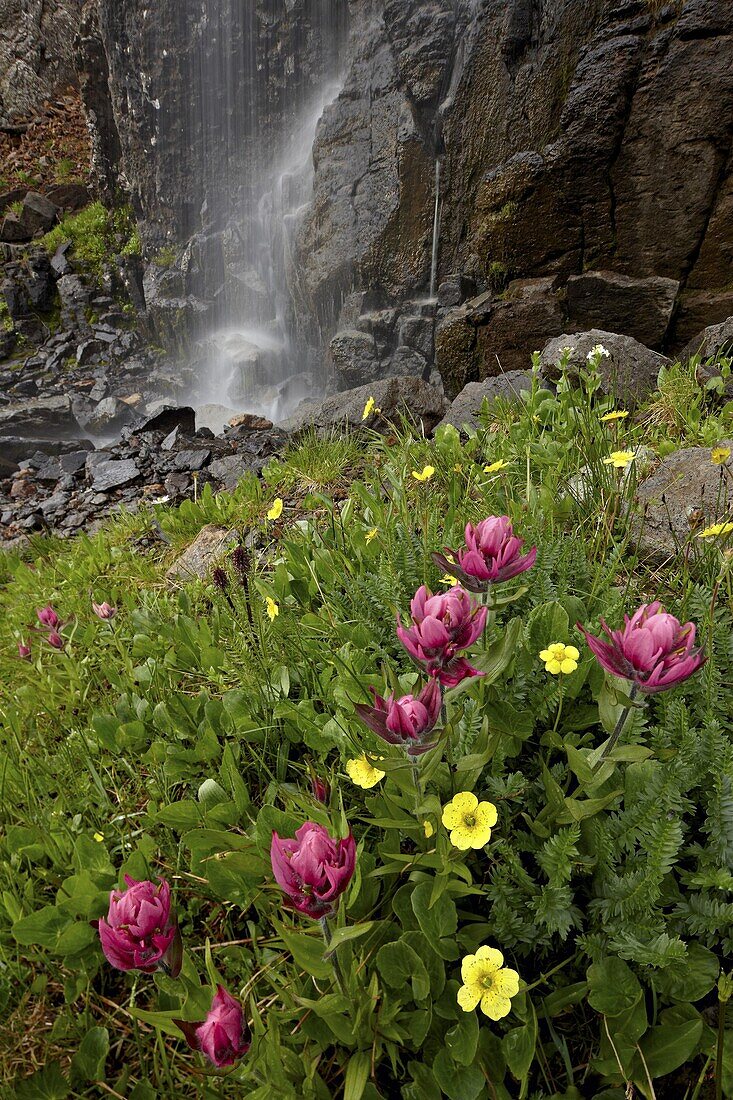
(48, 617)
(493, 553)
(442, 626)
(312, 868)
(103, 610)
(24, 651)
(222, 1036)
(653, 650)
(54, 639)
(406, 721)
(139, 933)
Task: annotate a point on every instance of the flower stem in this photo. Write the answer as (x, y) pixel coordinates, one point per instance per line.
(327, 937)
(619, 727)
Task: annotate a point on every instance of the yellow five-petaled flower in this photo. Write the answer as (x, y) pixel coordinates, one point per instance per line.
(371, 534)
(620, 459)
(500, 464)
(469, 820)
(276, 510)
(369, 408)
(719, 455)
(273, 609)
(363, 773)
(716, 531)
(618, 414)
(425, 474)
(486, 981)
(560, 658)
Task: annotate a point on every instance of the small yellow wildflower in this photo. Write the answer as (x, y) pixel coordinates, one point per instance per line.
(620, 459)
(277, 509)
(560, 658)
(425, 474)
(469, 820)
(369, 408)
(447, 579)
(273, 609)
(364, 774)
(619, 414)
(487, 981)
(457, 469)
(716, 530)
(719, 455)
(99, 837)
(499, 465)
(371, 534)
(428, 828)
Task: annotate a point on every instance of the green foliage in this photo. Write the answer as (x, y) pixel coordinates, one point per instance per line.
(175, 738)
(96, 235)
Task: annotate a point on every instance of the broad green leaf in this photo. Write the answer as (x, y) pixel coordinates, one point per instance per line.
(457, 1082)
(462, 1039)
(42, 927)
(89, 1061)
(437, 921)
(48, 1083)
(614, 988)
(399, 965)
(181, 816)
(357, 1075)
(666, 1047)
(690, 978)
(519, 1048)
(307, 951)
(350, 932)
(581, 808)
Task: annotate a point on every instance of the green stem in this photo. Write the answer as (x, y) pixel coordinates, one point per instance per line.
(543, 977)
(719, 1051)
(327, 937)
(619, 727)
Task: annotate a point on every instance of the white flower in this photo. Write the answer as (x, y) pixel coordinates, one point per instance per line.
(567, 350)
(598, 352)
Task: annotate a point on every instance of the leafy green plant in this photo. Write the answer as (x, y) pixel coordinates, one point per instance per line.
(96, 234)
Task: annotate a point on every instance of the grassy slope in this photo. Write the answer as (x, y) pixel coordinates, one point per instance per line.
(105, 746)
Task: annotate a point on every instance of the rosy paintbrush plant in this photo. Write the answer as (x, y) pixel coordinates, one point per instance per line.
(442, 626)
(312, 868)
(493, 553)
(406, 721)
(223, 1037)
(139, 932)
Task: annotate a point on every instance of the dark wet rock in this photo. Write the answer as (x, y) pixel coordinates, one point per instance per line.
(114, 474)
(13, 230)
(8, 340)
(69, 197)
(168, 417)
(191, 460)
(38, 214)
(714, 341)
(685, 494)
(50, 470)
(454, 290)
(394, 397)
(406, 361)
(639, 307)
(55, 503)
(230, 469)
(73, 462)
(355, 358)
(87, 352)
(46, 417)
(109, 417)
(629, 371)
(464, 409)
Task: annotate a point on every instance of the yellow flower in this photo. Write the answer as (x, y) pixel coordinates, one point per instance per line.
(425, 474)
(716, 530)
(488, 981)
(273, 609)
(620, 459)
(457, 469)
(499, 465)
(371, 534)
(620, 414)
(447, 579)
(369, 408)
(277, 509)
(428, 828)
(560, 658)
(719, 455)
(364, 774)
(469, 820)
(99, 837)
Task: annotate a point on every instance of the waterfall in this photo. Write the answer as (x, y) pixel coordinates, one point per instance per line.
(263, 76)
(436, 234)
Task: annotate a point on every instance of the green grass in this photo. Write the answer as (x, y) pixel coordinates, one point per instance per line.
(175, 738)
(96, 235)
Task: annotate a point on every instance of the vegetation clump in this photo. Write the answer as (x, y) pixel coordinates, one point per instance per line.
(96, 235)
(357, 814)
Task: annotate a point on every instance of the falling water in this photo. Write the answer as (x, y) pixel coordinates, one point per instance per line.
(263, 76)
(436, 233)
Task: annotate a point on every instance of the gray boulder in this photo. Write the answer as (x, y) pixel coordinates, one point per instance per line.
(114, 474)
(355, 358)
(629, 371)
(464, 410)
(109, 416)
(641, 308)
(685, 493)
(393, 397)
(38, 213)
(40, 418)
(715, 340)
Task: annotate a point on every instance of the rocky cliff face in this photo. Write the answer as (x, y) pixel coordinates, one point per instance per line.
(584, 151)
(36, 54)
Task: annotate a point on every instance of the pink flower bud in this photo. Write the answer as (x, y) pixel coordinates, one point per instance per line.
(103, 610)
(653, 649)
(406, 721)
(139, 933)
(442, 625)
(493, 554)
(320, 789)
(24, 651)
(48, 617)
(54, 639)
(223, 1036)
(312, 868)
